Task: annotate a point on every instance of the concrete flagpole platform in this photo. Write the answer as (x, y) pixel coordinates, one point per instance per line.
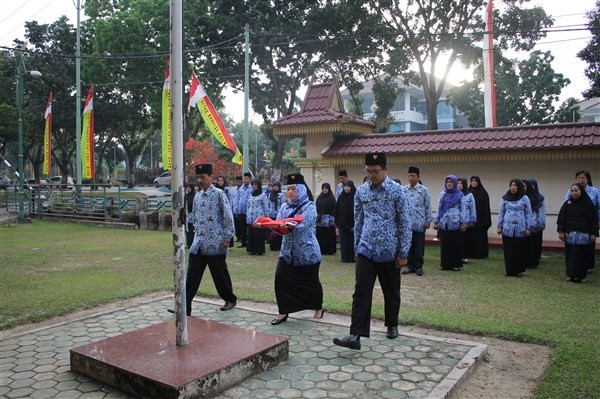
(147, 363)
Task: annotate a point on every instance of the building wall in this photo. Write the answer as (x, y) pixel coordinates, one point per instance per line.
(554, 179)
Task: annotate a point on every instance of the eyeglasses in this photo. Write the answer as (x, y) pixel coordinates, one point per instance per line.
(372, 172)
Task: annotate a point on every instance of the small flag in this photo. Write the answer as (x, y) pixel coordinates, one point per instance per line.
(200, 100)
(166, 120)
(47, 133)
(87, 139)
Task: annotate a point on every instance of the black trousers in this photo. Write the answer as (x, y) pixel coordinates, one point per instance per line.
(220, 275)
(417, 251)
(240, 228)
(389, 279)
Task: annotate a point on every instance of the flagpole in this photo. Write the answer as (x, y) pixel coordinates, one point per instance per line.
(246, 95)
(177, 171)
(78, 108)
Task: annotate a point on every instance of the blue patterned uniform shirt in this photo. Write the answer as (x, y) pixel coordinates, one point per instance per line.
(382, 222)
(300, 247)
(274, 207)
(420, 206)
(470, 215)
(257, 206)
(213, 222)
(240, 205)
(453, 218)
(538, 217)
(514, 217)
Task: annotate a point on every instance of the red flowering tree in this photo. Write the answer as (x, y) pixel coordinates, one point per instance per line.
(202, 151)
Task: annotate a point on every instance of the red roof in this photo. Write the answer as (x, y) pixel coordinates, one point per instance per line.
(322, 104)
(535, 137)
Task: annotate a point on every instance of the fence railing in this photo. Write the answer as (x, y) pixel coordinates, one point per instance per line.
(86, 201)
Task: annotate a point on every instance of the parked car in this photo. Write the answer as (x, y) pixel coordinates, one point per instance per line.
(42, 182)
(163, 180)
(4, 182)
(57, 180)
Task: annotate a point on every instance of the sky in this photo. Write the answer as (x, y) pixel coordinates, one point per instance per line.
(564, 45)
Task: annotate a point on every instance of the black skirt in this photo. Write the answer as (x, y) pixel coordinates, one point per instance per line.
(575, 257)
(451, 249)
(298, 287)
(327, 240)
(478, 246)
(515, 254)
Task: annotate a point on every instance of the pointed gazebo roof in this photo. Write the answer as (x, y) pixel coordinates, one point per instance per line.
(322, 112)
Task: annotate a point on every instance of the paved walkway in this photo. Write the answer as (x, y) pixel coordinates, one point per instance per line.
(35, 364)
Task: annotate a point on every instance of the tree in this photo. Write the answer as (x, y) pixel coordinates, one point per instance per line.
(591, 54)
(293, 43)
(525, 91)
(430, 29)
(568, 112)
(202, 151)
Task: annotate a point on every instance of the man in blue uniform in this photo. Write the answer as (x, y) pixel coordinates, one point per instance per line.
(382, 232)
(240, 207)
(213, 228)
(421, 216)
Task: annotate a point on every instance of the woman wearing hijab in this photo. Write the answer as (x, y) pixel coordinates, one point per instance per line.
(276, 199)
(585, 178)
(478, 245)
(297, 284)
(577, 226)
(451, 223)
(258, 205)
(538, 219)
(188, 199)
(470, 217)
(514, 223)
(344, 220)
(326, 220)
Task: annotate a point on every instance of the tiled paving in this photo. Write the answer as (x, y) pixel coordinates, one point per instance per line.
(36, 364)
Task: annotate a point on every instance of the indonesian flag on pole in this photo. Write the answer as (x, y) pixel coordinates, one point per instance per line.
(199, 99)
(87, 139)
(47, 132)
(166, 120)
(489, 88)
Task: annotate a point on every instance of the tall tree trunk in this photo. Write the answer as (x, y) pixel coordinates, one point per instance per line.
(130, 173)
(278, 159)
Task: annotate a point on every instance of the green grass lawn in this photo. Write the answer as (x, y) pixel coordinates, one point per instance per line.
(49, 269)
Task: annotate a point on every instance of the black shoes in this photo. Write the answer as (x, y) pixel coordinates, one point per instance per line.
(419, 272)
(350, 342)
(392, 332)
(276, 321)
(228, 306)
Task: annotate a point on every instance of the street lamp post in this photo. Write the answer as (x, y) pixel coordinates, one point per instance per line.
(21, 71)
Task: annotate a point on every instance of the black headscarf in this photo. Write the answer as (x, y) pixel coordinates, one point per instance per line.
(325, 202)
(274, 195)
(258, 191)
(224, 182)
(520, 191)
(534, 194)
(344, 208)
(465, 185)
(578, 214)
(482, 203)
(189, 197)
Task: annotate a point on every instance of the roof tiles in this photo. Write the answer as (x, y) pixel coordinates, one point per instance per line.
(536, 137)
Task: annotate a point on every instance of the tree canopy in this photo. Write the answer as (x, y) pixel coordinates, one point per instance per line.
(525, 91)
(591, 54)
